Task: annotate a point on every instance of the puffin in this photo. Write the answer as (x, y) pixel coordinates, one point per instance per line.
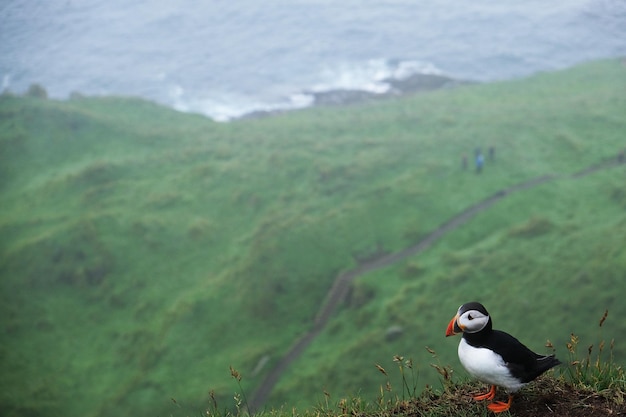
(493, 356)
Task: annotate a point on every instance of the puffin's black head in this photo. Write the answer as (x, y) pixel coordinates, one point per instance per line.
(471, 318)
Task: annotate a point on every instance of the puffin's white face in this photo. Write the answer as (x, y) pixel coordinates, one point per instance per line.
(472, 321)
(470, 318)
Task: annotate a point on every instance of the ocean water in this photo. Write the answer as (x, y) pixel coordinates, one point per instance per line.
(226, 58)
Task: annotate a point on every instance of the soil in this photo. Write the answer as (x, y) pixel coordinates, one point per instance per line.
(546, 396)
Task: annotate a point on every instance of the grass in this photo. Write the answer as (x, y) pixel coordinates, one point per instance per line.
(144, 251)
(586, 385)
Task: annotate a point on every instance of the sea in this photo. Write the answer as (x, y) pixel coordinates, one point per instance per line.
(228, 58)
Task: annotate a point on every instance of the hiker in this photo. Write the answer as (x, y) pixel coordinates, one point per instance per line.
(479, 163)
(621, 158)
(464, 162)
(492, 153)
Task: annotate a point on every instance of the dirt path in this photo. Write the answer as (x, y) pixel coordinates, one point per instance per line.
(341, 286)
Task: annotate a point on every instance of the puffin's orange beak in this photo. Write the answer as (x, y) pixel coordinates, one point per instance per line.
(452, 327)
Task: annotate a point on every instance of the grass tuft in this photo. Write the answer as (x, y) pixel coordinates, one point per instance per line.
(596, 369)
(240, 397)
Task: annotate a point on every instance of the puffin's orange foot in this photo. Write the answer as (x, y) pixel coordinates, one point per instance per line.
(488, 396)
(499, 406)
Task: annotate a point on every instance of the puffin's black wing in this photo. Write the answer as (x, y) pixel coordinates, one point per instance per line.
(523, 363)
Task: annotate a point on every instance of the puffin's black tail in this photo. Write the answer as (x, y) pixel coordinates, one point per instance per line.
(544, 363)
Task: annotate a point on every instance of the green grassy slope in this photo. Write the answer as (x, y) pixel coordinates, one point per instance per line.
(144, 251)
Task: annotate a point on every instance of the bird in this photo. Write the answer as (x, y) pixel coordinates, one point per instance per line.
(493, 356)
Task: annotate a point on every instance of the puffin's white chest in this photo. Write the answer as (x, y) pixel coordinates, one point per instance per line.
(487, 366)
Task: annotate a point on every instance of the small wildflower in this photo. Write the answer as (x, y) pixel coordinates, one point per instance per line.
(343, 406)
(606, 313)
(381, 369)
(235, 374)
(442, 370)
(213, 400)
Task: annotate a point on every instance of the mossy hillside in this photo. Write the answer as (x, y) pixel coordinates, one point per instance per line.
(145, 251)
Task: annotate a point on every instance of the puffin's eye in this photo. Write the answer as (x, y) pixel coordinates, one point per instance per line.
(470, 317)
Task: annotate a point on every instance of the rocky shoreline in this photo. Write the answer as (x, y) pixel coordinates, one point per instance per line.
(416, 83)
